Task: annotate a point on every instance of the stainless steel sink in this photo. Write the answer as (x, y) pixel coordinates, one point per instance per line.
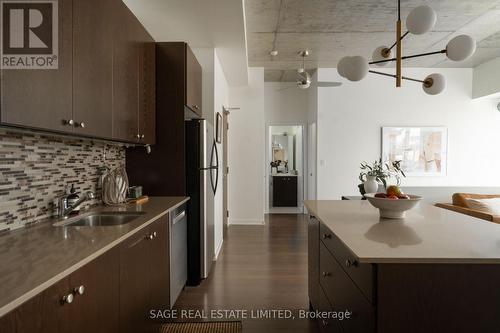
(101, 219)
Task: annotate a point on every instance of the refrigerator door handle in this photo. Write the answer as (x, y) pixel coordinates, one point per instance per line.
(214, 167)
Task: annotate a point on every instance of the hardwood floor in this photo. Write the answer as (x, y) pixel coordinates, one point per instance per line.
(259, 268)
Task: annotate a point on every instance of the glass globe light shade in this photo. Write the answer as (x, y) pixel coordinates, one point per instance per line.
(342, 65)
(434, 84)
(461, 48)
(421, 20)
(356, 68)
(381, 53)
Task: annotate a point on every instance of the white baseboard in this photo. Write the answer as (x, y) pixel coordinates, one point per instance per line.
(217, 250)
(245, 222)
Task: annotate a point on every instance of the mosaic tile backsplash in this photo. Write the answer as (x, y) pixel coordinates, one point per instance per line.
(36, 169)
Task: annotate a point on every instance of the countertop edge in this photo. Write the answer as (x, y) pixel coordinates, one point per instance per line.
(40, 288)
(406, 260)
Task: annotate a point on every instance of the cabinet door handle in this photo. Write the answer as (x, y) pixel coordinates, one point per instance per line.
(155, 234)
(327, 274)
(142, 136)
(350, 263)
(70, 122)
(81, 124)
(195, 107)
(327, 236)
(79, 290)
(150, 237)
(67, 299)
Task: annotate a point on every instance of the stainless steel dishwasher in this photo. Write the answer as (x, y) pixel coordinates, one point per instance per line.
(178, 252)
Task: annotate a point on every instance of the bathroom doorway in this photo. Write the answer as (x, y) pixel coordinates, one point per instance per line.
(285, 169)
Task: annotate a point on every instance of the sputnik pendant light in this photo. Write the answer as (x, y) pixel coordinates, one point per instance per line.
(420, 21)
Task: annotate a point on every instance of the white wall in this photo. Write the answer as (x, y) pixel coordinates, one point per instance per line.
(246, 151)
(350, 118)
(312, 115)
(221, 98)
(285, 107)
(486, 79)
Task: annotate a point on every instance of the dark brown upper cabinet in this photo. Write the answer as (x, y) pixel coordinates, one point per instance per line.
(133, 79)
(193, 82)
(42, 98)
(147, 90)
(105, 84)
(92, 67)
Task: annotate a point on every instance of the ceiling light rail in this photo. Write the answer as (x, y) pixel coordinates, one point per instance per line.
(420, 21)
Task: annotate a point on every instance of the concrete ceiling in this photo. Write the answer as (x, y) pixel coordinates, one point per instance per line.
(216, 24)
(331, 29)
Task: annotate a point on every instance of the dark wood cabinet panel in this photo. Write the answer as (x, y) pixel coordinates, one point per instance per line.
(96, 310)
(344, 295)
(159, 273)
(134, 282)
(8, 323)
(284, 191)
(93, 67)
(313, 261)
(362, 274)
(327, 325)
(47, 312)
(126, 48)
(147, 90)
(40, 98)
(193, 83)
(163, 176)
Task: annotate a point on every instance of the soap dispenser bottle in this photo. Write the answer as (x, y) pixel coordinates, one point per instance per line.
(72, 199)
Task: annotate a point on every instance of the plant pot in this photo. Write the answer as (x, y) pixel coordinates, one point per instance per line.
(371, 184)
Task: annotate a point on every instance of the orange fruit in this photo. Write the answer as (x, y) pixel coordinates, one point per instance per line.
(394, 190)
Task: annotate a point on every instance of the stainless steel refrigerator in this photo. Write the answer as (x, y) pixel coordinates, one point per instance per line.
(202, 171)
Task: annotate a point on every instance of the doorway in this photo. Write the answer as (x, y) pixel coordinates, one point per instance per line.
(285, 169)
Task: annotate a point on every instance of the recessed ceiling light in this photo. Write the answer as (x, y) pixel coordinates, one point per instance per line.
(274, 53)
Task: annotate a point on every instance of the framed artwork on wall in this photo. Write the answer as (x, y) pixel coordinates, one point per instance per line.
(423, 151)
(218, 128)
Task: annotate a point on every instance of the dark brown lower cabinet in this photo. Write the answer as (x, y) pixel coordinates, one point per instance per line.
(134, 282)
(45, 313)
(144, 277)
(312, 257)
(85, 301)
(285, 191)
(96, 310)
(159, 271)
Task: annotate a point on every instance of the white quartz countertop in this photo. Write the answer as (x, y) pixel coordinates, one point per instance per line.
(428, 234)
(283, 175)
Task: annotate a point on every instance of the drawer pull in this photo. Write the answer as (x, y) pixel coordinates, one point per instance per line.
(68, 299)
(327, 274)
(351, 263)
(327, 236)
(79, 290)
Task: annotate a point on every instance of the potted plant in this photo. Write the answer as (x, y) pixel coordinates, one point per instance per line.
(378, 173)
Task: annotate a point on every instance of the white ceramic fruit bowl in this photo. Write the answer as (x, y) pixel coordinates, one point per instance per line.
(392, 208)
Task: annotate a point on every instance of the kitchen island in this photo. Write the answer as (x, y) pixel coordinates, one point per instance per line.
(434, 271)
